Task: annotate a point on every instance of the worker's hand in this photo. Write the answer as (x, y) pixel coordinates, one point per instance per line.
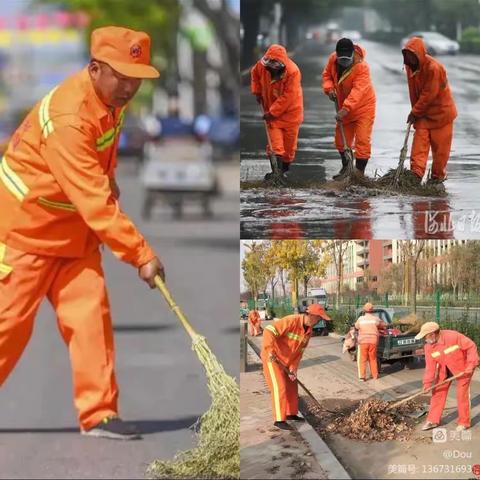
(150, 270)
(272, 357)
(259, 99)
(411, 118)
(332, 95)
(114, 188)
(426, 388)
(469, 371)
(341, 114)
(267, 116)
(292, 376)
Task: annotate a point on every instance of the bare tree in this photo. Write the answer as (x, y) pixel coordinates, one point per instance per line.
(411, 250)
(338, 250)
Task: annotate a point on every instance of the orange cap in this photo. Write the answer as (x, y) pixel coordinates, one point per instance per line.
(125, 50)
(318, 310)
(368, 307)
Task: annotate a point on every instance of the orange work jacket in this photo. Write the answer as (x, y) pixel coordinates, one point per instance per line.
(55, 195)
(354, 88)
(283, 98)
(454, 351)
(287, 339)
(430, 94)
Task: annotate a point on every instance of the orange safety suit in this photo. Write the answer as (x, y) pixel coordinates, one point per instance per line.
(455, 352)
(355, 93)
(281, 98)
(254, 323)
(433, 104)
(368, 326)
(56, 208)
(287, 339)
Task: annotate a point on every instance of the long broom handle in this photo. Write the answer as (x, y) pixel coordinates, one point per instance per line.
(287, 371)
(160, 284)
(396, 404)
(340, 123)
(266, 128)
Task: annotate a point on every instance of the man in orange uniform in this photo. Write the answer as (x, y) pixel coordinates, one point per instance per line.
(254, 323)
(283, 344)
(447, 353)
(368, 327)
(58, 204)
(346, 79)
(276, 82)
(432, 114)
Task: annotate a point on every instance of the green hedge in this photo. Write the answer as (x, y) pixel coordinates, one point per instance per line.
(470, 42)
(463, 325)
(341, 320)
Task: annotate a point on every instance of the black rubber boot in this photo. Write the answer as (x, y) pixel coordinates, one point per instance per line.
(280, 163)
(295, 418)
(282, 425)
(344, 166)
(285, 167)
(361, 164)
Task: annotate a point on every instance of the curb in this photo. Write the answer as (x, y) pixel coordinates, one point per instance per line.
(324, 456)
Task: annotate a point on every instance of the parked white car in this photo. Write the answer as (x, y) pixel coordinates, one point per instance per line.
(435, 43)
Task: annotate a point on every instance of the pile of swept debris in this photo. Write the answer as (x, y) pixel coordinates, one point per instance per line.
(360, 185)
(370, 420)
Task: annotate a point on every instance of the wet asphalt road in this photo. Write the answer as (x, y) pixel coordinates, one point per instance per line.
(162, 384)
(309, 213)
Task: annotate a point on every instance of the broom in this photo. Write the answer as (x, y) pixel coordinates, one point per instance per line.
(217, 454)
(403, 156)
(346, 149)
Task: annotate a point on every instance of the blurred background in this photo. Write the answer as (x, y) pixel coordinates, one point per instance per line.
(448, 26)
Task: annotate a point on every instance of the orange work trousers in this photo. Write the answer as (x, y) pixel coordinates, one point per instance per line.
(358, 135)
(440, 140)
(367, 352)
(284, 142)
(284, 391)
(76, 290)
(439, 397)
(254, 328)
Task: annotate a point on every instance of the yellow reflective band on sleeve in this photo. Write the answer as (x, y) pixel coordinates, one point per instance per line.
(44, 116)
(3, 267)
(451, 349)
(108, 138)
(61, 205)
(272, 329)
(275, 393)
(435, 354)
(12, 181)
(294, 336)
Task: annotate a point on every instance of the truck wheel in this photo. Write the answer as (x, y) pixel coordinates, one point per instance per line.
(409, 363)
(324, 332)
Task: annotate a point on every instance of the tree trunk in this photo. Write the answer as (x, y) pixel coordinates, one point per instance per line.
(305, 286)
(414, 289)
(250, 15)
(200, 82)
(282, 281)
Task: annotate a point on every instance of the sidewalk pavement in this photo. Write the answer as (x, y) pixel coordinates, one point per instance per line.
(265, 451)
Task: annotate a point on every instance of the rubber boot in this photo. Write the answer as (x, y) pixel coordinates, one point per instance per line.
(361, 164)
(343, 170)
(269, 176)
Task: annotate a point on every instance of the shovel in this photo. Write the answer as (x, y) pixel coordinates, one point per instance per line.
(403, 156)
(347, 150)
(421, 392)
(277, 178)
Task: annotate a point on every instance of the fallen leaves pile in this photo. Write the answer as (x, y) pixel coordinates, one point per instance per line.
(371, 421)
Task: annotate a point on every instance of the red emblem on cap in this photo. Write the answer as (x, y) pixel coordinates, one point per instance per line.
(135, 50)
